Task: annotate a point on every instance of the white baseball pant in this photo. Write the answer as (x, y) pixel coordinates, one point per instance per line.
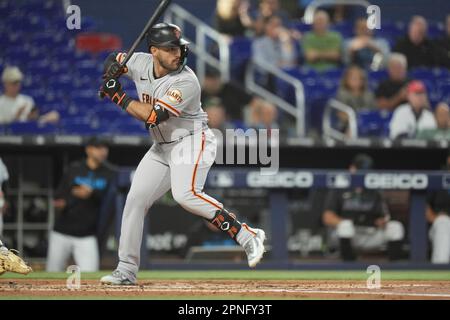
(84, 250)
(440, 239)
(369, 238)
(181, 166)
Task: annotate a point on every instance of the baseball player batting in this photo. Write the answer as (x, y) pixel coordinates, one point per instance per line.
(183, 151)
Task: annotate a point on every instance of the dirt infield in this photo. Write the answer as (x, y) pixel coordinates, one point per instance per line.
(253, 289)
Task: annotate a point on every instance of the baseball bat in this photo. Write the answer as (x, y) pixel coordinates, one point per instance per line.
(156, 15)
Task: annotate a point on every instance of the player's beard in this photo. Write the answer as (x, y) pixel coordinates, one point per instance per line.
(167, 66)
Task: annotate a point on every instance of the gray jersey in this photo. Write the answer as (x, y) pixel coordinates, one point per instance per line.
(177, 92)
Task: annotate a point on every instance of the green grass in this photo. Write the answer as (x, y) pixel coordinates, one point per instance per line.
(251, 275)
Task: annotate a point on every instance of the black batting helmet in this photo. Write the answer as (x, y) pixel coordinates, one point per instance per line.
(168, 35)
(165, 35)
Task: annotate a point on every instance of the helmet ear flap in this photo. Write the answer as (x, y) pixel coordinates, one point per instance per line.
(184, 54)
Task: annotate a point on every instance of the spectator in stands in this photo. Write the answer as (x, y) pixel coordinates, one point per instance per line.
(276, 47)
(418, 49)
(264, 117)
(337, 12)
(78, 201)
(234, 97)
(414, 116)
(15, 106)
(267, 9)
(438, 215)
(442, 131)
(443, 44)
(359, 218)
(4, 176)
(322, 48)
(392, 92)
(354, 89)
(363, 49)
(217, 117)
(354, 92)
(232, 17)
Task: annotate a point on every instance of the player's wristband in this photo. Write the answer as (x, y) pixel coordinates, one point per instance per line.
(121, 99)
(125, 102)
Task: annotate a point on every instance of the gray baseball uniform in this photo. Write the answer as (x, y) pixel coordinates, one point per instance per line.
(180, 158)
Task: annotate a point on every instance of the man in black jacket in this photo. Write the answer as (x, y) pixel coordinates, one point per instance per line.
(418, 49)
(78, 201)
(359, 218)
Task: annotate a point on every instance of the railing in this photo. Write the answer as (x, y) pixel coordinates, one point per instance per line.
(329, 131)
(297, 111)
(181, 17)
(311, 8)
(178, 15)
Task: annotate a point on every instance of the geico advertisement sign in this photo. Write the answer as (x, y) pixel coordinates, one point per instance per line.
(396, 181)
(285, 179)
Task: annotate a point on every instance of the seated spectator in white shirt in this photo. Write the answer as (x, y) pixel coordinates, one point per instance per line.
(413, 116)
(15, 106)
(277, 46)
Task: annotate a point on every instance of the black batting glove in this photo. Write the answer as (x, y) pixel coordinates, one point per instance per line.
(112, 68)
(113, 90)
(115, 70)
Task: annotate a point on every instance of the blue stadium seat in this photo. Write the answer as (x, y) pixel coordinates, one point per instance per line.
(5, 8)
(42, 68)
(241, 47)
(33, 82)
(101, 56)
(19, 128)
(333, 74)
(33, 22)
(79, 128)
(306, 72)
(47, 39)
(127, 84)
(130, 129)
(84, 102)
(64, 83)
(48, 8)
(79, 119)
(391, 29)
(301, 73)
(444, 91)
(314, 112)
(56, 106)
(421, 73)
(300, 26)
(44, 96)
(3, 129)
(4, 40)
(85, 58)
(377, 76)
(344, 28)
(373, 123)
(109, 115)
(436, 30)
